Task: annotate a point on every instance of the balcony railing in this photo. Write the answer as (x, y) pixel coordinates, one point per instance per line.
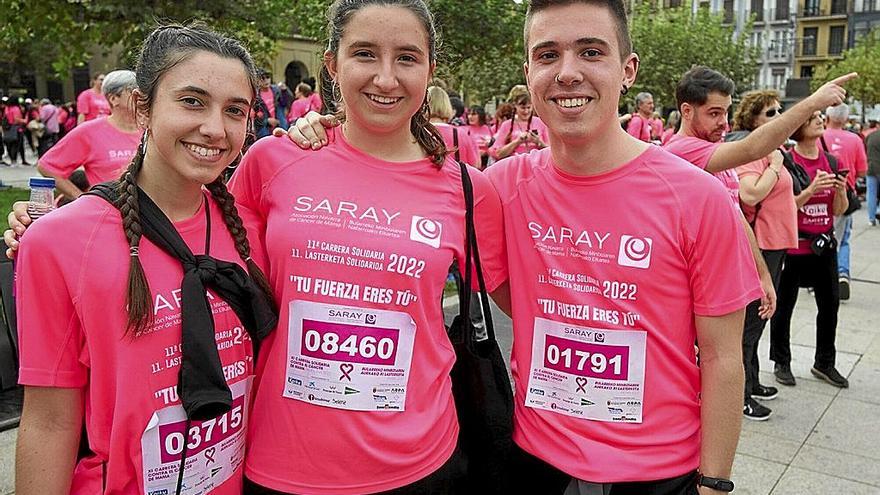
(837, 8)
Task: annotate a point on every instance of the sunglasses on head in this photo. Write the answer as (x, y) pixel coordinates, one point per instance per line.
(773, 112)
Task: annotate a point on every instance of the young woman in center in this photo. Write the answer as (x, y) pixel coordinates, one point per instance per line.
(354, 394)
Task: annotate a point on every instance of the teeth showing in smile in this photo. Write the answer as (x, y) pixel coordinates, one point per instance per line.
(383, 99)
(206, 152)
(571, 102)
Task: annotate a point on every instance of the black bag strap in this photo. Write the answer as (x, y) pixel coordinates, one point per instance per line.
(472, 253)
(455, 144)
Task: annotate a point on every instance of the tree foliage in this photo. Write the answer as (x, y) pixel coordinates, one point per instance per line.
(862, 58)
(670, 41)
(58, 35)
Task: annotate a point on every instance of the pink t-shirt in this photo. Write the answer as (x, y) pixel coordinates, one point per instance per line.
(698, 152)
(643, 129)
(299, 108)
(72, 324)
(92, 104)
(850, 152)
(101, 149)
(607, 387)
(776, 223)
(315, 101)
(667, 135)
(14, 115)
(482, 135)
(504, 135)
(817, 215)
(467, 148)
(268, 98)
(354, 394)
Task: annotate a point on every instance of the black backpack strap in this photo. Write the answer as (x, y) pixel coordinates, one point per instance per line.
(832, 161)
(455, 143)
(108, 191)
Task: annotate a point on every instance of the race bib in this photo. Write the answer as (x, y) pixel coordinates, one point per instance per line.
(587, 372)
(214, 448)
(347, 357)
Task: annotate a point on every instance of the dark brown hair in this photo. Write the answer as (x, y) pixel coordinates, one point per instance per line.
(164, 48)
(340, 14)
(616, 7)
(751, 106)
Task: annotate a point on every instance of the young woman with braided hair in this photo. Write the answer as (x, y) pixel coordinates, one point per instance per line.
(143, 325)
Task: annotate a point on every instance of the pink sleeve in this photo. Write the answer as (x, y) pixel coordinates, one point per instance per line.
(471, 155)
(500, 138)
(694, 150)
(68, 154)
(861, 159)
(489, 226)
(722, 280)
(50, 338)
(82, 102)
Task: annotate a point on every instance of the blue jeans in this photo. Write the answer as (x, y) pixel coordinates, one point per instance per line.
(842, 229)
(873, 186)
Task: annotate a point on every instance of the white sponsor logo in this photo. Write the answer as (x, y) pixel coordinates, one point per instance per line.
(635, 251)
(426, 231)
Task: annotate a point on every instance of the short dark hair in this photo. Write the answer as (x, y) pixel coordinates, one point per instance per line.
(616, 7)
(697, 83)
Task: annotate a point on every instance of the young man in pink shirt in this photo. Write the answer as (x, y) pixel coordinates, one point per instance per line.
(704, 98)
(849, 149)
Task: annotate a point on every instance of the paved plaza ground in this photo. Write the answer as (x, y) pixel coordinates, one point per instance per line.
(820, 440)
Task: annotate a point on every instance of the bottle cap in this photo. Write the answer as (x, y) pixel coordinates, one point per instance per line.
(42, 182)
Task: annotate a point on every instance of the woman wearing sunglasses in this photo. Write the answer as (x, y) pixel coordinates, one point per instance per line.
(767, 198)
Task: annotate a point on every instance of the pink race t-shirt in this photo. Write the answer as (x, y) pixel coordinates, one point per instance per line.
(315, 102)
(72, 332)
(776, 223)
(817, 215)
(299, 108)
(92, 104)
(644, 129)
(467, 148)
(102, 150)
(850, 152)
(268, 97)
(13, 115)
(482, 135)
(698, 152)
(607, 385)
(354, 393)
(504, 135)
(667, 135)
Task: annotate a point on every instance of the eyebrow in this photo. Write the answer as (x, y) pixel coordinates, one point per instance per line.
(589, 40)
(200, 91)
(406, 48)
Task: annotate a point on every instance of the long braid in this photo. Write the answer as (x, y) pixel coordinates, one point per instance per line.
(238, 232)
(137, 298)
(428, 137)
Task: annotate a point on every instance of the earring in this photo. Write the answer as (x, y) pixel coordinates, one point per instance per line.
(625, 90)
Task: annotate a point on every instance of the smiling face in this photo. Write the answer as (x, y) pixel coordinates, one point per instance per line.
(198, 118)
(709, 120)
(382, 68)
(575, 70)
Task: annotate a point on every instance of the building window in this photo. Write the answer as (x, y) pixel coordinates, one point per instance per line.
(758, 10)
(782, 11)
(674, 3)
(728, 11)
(835, 41)
(809, 41)
(778, 79)
(870, 5)
(806, 71)
(811, 8)
(758, 40)
(838, 7)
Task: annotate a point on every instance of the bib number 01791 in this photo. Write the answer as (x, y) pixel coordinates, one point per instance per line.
(586, 359)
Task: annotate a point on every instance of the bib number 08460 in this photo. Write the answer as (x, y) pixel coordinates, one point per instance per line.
(349, 343)
(367, 347)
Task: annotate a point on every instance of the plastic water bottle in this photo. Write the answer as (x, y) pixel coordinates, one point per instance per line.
(42, 198)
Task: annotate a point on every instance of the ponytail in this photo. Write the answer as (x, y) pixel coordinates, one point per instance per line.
(428, 137)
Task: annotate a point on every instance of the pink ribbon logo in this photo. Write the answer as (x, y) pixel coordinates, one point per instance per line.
(209, 455)
(346, 368)
(581, 383)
